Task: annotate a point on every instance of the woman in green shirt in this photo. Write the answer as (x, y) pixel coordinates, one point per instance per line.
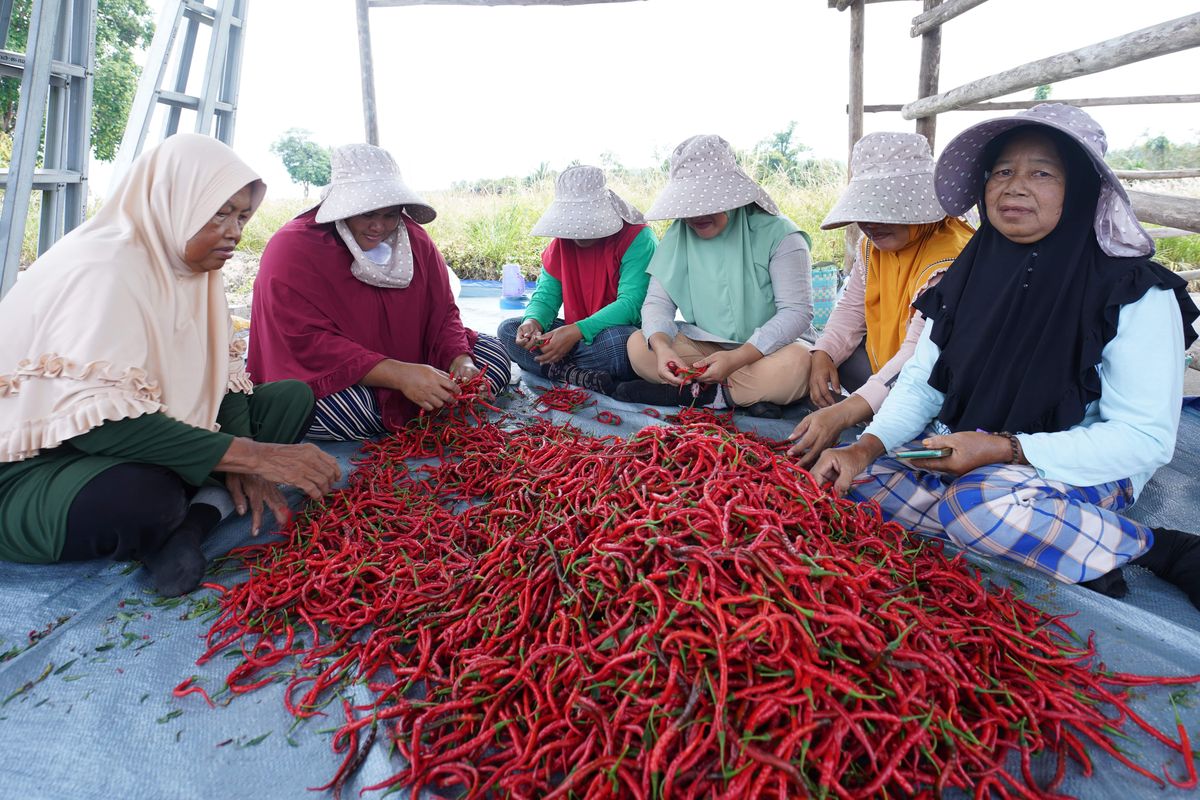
(595, 270)
(120, 393)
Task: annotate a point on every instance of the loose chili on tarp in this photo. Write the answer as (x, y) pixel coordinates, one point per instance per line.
(682, 613)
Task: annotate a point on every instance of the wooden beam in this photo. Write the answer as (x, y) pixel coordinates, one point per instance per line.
(1168, 233)
(1156, 174)
(1157, 40)
(842, 5)
(1080, 102)
(1190, 275)
(1161, 209)
(927, 77)
(933, 18)
(370, 118)
(397, 3)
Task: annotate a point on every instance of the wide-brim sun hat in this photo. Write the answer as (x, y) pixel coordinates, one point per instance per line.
(366, 178)
(584, 207)
(705, 179)
(891, 181)
(959, 175)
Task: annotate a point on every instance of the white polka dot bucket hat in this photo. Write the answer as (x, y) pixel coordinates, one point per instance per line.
(960, 173)
(366, 178)
(584, 207)
(706, 179)
(891, 181)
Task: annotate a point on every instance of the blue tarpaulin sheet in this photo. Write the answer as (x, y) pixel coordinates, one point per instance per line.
(90, 656)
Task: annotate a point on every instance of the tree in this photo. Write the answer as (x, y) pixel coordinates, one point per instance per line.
(1042, 93)
(306, 162)
(122, 27)
(779, 154)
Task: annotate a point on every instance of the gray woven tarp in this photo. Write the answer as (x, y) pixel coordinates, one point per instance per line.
(91, 656)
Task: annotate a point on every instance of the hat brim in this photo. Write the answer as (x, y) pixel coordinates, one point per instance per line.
(958, 179)
(682, 198)
(881, 200)
(350, 199)
(586, 219)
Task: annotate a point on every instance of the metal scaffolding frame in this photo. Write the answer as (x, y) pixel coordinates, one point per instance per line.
(55, 102)
(215, 99)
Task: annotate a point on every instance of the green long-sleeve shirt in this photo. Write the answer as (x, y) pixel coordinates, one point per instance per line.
(625, 310)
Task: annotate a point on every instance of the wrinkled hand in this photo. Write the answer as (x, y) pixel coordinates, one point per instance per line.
(252, 493)
(428, 387)
(721, 365)
(822, 375)
(463, 368)
(841, 464)
(816, 433)
(971, 451)
(528, 334)
(304, 466)
(558, 343)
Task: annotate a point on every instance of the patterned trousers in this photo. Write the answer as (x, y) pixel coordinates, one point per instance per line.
(606, 353)
(1072, 533)
(353, 413)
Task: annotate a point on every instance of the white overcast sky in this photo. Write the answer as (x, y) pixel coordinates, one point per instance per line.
(466, 93)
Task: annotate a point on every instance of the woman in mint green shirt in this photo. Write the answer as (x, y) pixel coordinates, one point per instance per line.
(595, 271)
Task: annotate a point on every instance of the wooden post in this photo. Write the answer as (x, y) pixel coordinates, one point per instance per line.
(1161, 209)
(931, 65)
(857, 33)
(1157, 40)
(370, 120)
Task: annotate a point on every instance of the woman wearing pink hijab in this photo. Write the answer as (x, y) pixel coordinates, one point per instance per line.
(120, 395)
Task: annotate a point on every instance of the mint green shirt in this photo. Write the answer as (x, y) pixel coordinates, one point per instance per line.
(625, 310)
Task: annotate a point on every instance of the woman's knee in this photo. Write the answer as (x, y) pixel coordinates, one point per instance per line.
(126, 510)
(507, 332)
(281, 411)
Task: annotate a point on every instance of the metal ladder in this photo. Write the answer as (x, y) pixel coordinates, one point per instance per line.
(56, 94)
(215, 101)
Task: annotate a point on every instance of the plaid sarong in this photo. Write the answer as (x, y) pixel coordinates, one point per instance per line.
(1072, 533)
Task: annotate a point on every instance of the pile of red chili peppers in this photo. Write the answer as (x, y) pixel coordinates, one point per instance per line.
(683, 613)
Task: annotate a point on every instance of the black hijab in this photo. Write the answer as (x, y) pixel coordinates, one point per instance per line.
(1021, 327)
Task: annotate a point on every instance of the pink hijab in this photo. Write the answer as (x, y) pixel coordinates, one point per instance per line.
(111, 323)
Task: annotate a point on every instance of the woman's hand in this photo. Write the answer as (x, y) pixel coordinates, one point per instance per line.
(841, 464)
(428, 387)
(972, 450)
(254, 494)
(463, 368)
(821, 429)
(304, 466)
(724, 363)
(529, 334)
(667, 357)
(822, 375)
(558, 343)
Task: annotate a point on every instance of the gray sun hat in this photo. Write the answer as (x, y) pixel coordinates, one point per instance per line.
(959, 176)
(706, 179)
(584, 207)
(891, 181)
(366, 178)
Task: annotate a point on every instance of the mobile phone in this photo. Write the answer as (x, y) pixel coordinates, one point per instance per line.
(933, 452)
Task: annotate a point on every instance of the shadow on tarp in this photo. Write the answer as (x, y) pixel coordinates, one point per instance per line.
(86, 709)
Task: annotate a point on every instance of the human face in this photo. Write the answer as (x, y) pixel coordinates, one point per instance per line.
(214, 244)
(373, 227)
(709, 225)
(1024, 192)
(885, 236)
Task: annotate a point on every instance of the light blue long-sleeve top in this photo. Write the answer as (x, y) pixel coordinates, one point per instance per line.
(1129, 432)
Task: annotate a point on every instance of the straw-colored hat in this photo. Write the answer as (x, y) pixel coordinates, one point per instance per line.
(584, 207)
(706, 179)
(891, 181)
(960, 173)
(366, 178)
